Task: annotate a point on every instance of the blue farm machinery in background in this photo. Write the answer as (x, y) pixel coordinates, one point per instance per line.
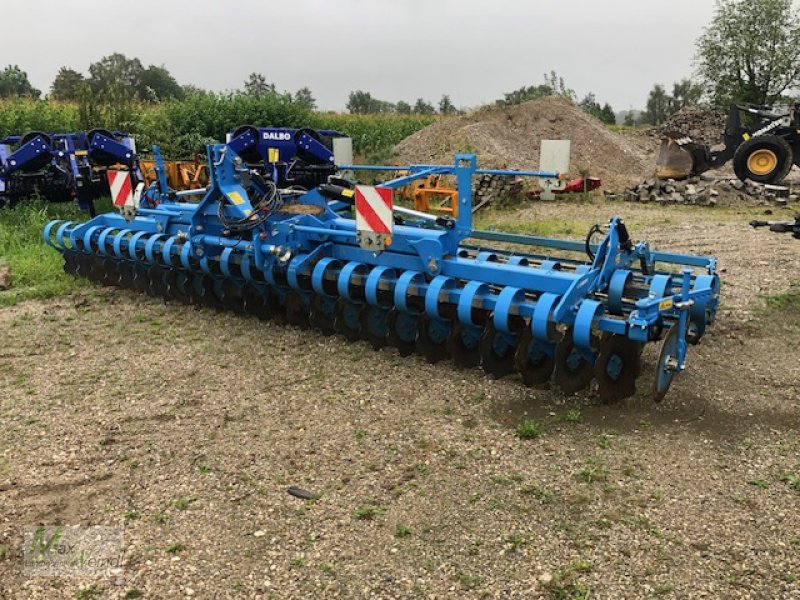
(62, 167)
(344, 259)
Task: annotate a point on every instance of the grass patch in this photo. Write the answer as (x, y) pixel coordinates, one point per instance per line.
(366, 513)
(402, 531)
(594, 470)
(36, 269)
(759, 483)
(565, 586)
(175, 548)
(793, 481)
(88, 593)
(530, 430)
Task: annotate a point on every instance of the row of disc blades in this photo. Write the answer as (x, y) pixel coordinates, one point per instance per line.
(615, 364)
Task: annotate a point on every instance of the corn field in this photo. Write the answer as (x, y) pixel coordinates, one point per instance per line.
(182, 128)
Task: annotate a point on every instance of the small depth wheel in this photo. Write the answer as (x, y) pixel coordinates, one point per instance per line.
(402, 332)
(432, 338)
(572, 371)
(532, 359)
(617, 366)
(463, 343)
(322, 314)
(497, 351)
(374, 328)
(347, 320)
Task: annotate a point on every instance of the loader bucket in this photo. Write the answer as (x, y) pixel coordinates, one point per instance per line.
(674, 161)
(679, 157)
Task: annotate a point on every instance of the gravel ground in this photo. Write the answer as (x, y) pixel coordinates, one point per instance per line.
(186, 428)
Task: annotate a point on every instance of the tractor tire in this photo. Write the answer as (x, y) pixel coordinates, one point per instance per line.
(764, 159)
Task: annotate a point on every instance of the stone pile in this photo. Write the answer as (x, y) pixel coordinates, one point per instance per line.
(703, 125)
(490, 188)
(704, 190)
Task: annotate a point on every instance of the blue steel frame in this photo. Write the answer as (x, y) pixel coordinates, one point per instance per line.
(424, 269)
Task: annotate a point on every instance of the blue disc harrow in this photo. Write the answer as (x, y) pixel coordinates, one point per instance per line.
(343, 259)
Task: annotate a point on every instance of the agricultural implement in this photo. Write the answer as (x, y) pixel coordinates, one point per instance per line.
(342, 258)
(62, 167)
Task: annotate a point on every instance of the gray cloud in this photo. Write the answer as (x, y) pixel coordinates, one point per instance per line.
(396, 49)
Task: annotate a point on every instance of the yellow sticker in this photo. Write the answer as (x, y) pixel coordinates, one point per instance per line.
(81, 152)
(348, 193)
(665, 304)
(236, 198)
(746, 136)
(273, 155)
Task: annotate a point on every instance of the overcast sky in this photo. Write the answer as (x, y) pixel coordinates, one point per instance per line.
(396, 49)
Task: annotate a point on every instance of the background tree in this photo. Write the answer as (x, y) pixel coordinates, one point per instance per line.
(66, 84)
(604, 113)
(116, 75)
(423, 107)
(402, 108)
(156, 84)
(686, 93)
(305, 98)
(257, 86)
(362, 103)
(446, 107)
(659, 105)
(750, 52)
(630, 119)
(14, 82)
(553, 86)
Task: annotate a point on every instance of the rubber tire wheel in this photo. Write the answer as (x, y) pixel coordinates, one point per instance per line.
(776, 144)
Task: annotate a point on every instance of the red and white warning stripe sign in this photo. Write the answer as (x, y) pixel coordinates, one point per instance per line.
(120, 184)
(374, 209)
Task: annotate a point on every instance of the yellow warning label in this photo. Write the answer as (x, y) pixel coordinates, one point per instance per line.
(236, 198)
(348, 193)
(273, 155)
(746, 136)
(665, 304)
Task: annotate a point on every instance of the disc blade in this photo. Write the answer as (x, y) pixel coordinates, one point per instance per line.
(617, 366)
(347, 320)
(297, 310)
(432, 339)
(497, 351)
(322, 314)
(402, 331)
(532, 360)
(374, 328)
(664, 373)
(572, 371)
(463, 343)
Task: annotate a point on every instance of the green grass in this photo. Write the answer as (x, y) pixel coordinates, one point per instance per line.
(36, 269)
(530, 430)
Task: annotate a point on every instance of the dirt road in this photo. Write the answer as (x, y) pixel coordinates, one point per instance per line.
(186, 427)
